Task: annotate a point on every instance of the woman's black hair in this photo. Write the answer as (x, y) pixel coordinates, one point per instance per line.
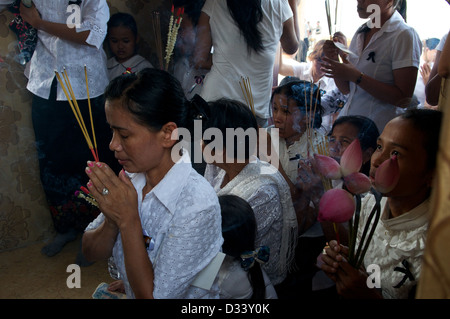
(247, 14)
(123, 19)
(239, 233)
(231, 114)
(428, 122)
(367, 134)
(155, 97)
(306, 96)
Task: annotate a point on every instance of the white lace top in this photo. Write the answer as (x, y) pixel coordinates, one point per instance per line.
(265, 189)
(53, 53)
(397, 245)
(299, 150)
(182, 215)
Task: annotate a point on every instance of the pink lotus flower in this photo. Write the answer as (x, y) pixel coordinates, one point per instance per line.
(336, 205)
(348, 169)
(387, 175)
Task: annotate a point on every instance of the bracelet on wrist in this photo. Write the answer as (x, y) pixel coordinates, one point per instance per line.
(359, 78)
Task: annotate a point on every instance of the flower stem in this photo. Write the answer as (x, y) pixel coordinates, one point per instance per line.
(375, 212)
(337, 233)
(353, 230)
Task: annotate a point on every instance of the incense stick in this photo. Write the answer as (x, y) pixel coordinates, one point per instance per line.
(90, 113)
(247, 91)
(157, 36)
(68, 91)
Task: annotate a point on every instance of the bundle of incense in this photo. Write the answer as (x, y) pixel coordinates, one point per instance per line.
(322, 148)
(247, 91)
(86, 195)
(310, 116)
(174, 25)
(70, 95)
(157, 37)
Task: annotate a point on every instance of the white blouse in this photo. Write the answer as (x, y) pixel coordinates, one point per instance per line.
(182, 215)
(53, 53)
(397, 246)
(135, 64)
(231, 59)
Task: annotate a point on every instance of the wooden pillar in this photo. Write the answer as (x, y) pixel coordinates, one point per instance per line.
(434, 282)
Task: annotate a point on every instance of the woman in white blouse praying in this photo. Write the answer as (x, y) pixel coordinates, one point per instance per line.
(160, 219)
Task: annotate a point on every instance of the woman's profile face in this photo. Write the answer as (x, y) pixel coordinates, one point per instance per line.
(402, 139)
(135, 146)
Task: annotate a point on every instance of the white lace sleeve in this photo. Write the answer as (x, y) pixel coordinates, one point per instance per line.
(96, 222)
(95, 16)
(268, 212)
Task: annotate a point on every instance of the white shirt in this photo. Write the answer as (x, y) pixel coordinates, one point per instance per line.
(396, 45)
(299, 150)
(395, 240)
(182, 215)
(53, 53)
(231, 59)
(135, 64)
(191, 79)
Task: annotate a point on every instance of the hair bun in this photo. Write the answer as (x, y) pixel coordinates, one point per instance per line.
(199, 108)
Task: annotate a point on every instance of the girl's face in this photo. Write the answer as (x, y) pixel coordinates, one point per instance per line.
(400, 138)
(364, 13)
(287, 118)
(122, 42)
(317, 65)
(341, 137)
(135, 147)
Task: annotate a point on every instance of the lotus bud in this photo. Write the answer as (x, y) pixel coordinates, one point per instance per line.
(336, 205)
(357, 183)
(387, 175)
(328, 167)
(351, 160)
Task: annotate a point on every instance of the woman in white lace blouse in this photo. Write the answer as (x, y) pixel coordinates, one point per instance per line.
(160, 219)
(236, 171)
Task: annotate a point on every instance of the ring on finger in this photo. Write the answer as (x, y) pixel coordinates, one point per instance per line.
(105, 191)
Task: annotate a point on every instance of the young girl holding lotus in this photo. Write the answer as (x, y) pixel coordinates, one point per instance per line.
(407, 148)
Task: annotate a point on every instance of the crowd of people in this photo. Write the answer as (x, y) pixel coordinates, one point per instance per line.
(161, 220)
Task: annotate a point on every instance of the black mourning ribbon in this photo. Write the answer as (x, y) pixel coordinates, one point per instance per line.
(371, 56)
(77, 2)
(406, 271)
